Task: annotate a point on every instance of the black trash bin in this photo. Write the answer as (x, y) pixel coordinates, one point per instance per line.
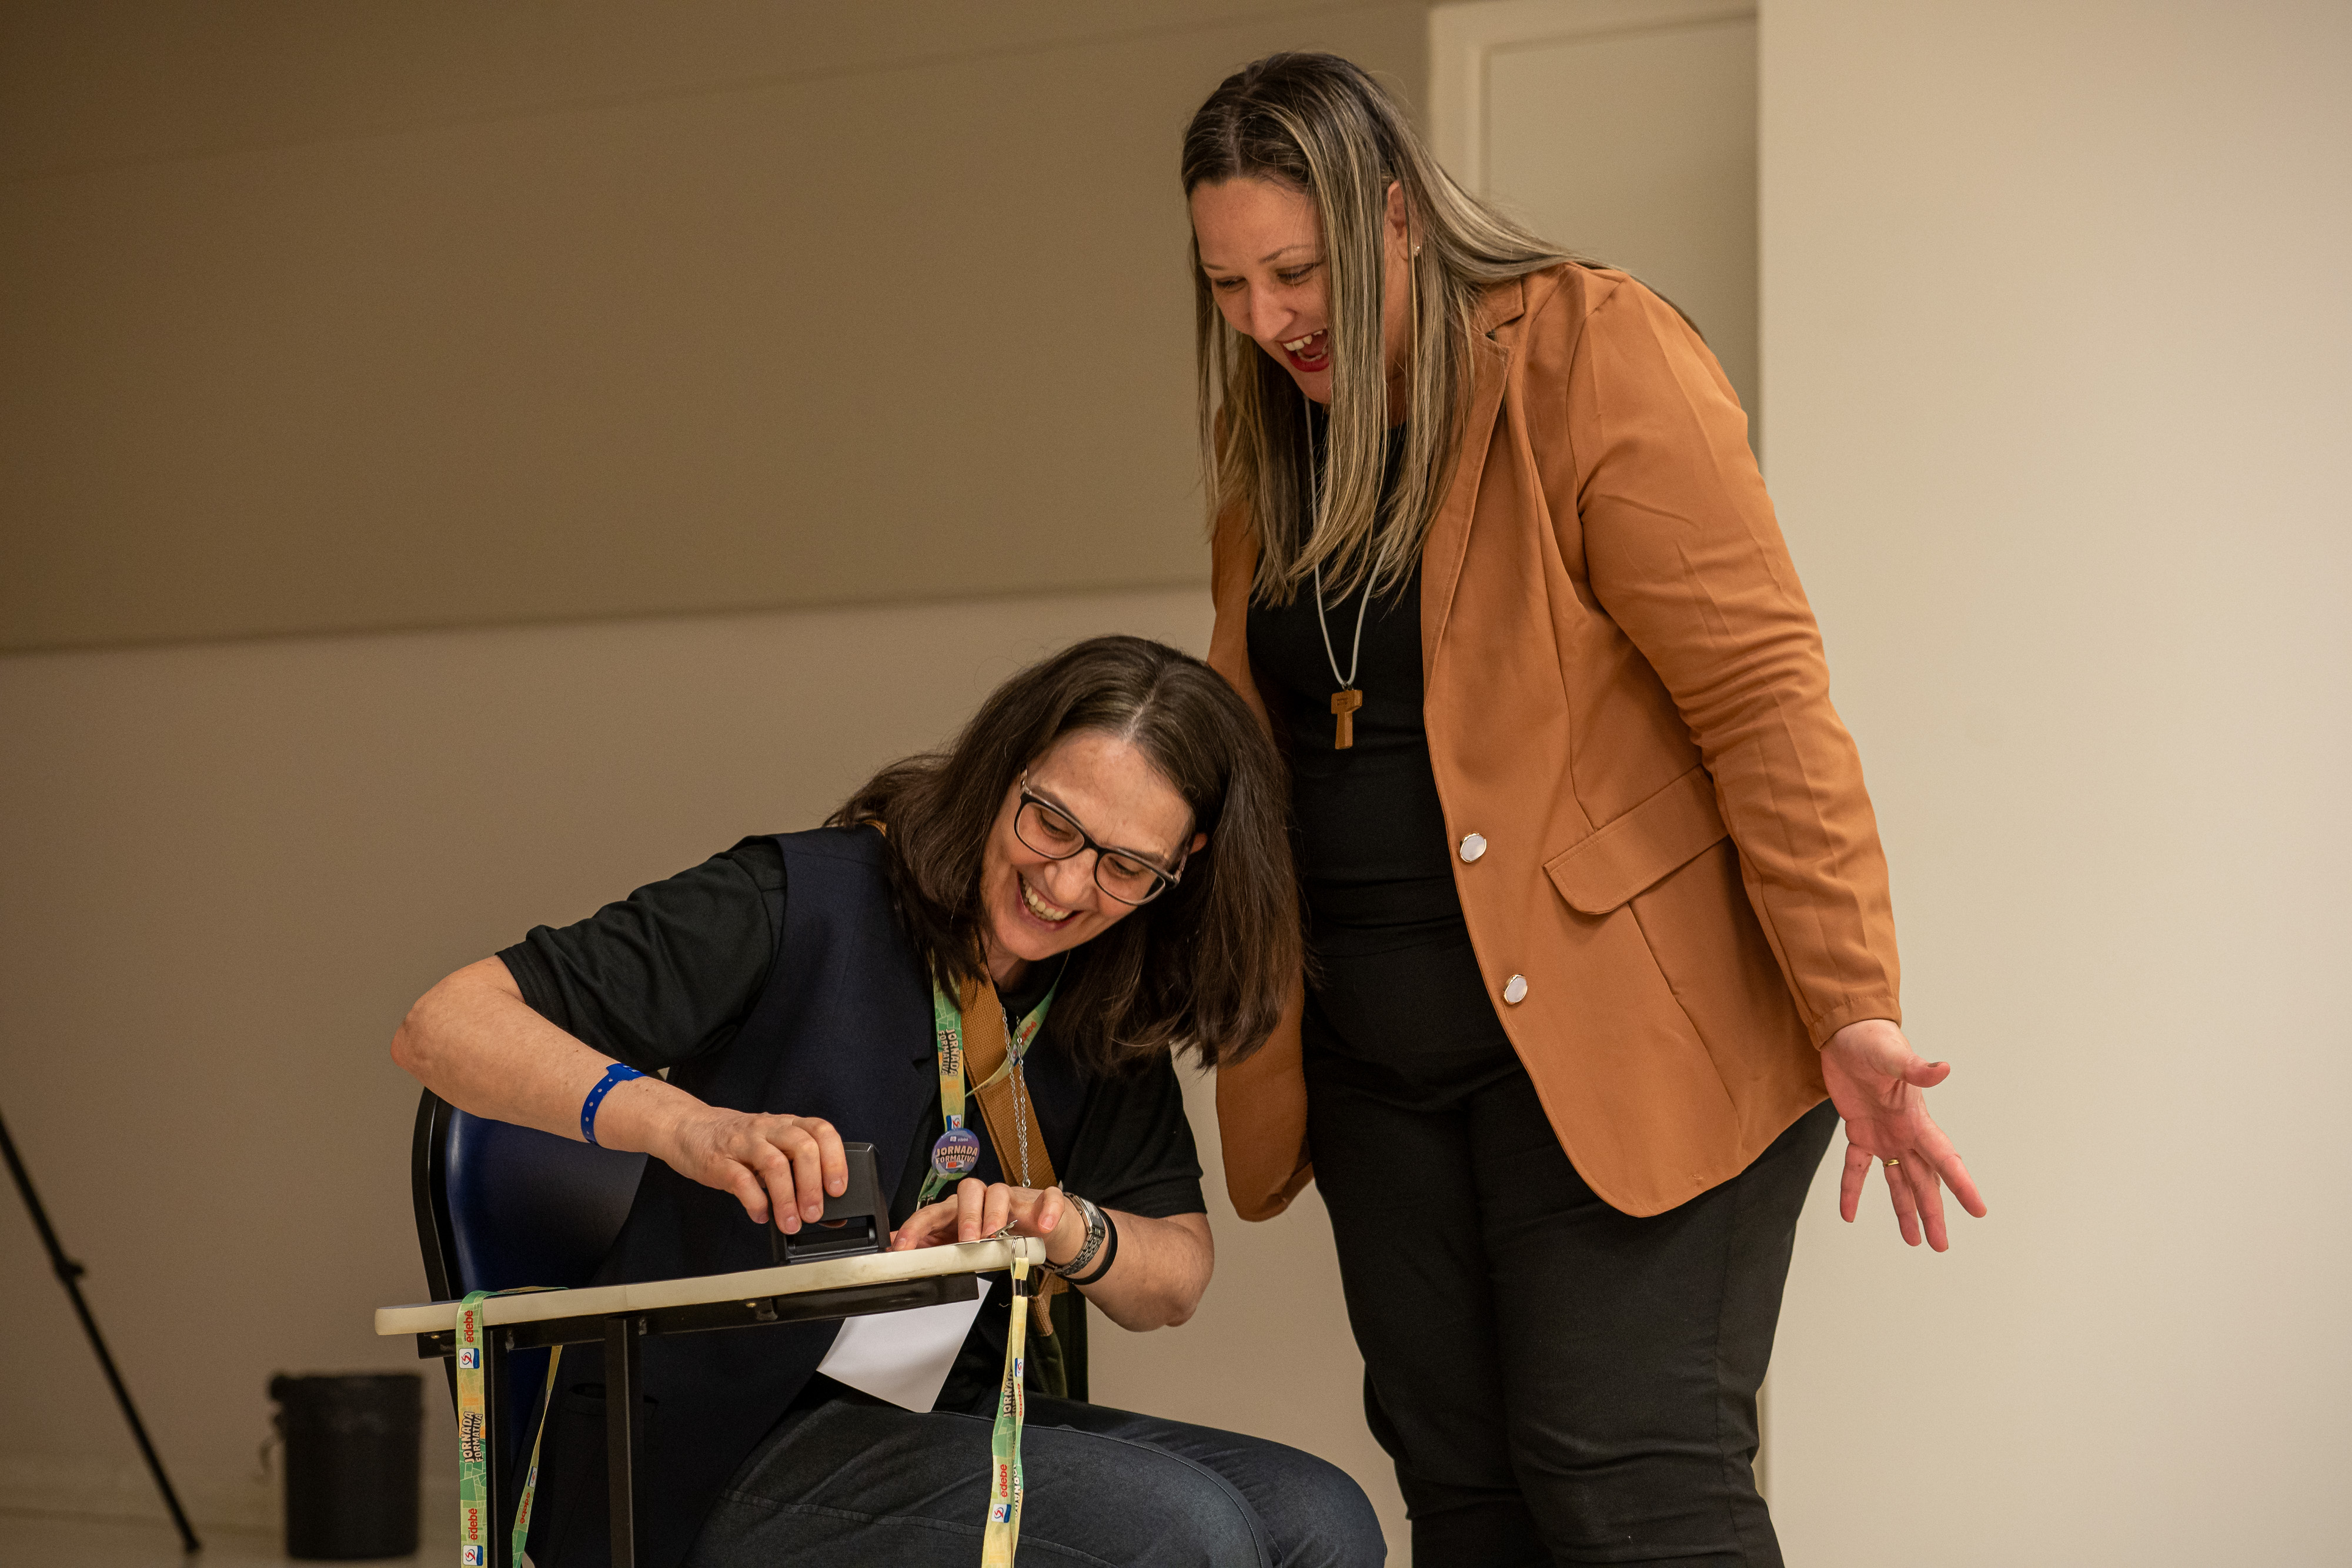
(354, 1448)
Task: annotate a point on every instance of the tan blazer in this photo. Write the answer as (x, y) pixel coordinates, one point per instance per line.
(1626, 700)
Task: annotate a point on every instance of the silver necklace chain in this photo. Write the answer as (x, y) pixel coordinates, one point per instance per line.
(1315, 516)
(1014, 1049)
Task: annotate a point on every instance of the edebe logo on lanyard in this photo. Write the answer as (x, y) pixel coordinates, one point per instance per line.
(1000, 1535)
(474, 1525)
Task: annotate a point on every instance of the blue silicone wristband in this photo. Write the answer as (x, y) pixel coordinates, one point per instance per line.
(616, 1073)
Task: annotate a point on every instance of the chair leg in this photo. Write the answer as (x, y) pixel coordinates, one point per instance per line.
(624, 1423)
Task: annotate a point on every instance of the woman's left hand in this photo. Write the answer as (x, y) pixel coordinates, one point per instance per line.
(1878, 1084)
(979, 1210)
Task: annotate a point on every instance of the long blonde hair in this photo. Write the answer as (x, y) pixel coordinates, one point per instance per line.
(1322, 126)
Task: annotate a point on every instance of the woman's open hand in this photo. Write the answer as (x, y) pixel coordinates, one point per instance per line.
(787, 1163)
(1878, 1084)
(979, 1210)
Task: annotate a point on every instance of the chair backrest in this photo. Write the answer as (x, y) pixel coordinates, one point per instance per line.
(499, 1205)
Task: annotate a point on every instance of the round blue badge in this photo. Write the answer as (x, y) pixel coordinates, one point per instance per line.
(956, 1153)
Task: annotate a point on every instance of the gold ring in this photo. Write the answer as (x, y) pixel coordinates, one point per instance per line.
(1890, 1164)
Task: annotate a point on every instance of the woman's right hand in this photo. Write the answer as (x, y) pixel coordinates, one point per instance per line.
(786, 1163)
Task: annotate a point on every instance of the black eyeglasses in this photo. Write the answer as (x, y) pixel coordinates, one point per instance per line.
(1122, 874)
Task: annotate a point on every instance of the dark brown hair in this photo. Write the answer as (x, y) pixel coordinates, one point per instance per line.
(1204, 968)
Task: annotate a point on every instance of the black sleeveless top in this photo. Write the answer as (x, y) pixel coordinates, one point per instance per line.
(1372, 853)
(1395, 1005)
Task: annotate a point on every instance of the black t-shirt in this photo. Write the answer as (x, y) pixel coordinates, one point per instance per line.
(1372, 852)
(671, 973)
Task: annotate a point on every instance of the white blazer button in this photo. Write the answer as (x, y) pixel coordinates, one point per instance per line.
(1474, 846)
(1515, 990)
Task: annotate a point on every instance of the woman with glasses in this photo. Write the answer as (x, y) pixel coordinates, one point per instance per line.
(1598, 915)
(1093, 875)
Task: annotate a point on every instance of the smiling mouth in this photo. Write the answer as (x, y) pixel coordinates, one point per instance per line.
(1311, 352)
(1051, 914)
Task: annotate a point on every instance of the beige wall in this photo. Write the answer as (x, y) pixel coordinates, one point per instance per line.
(861, 332)
(396, 315)
(2055, 348)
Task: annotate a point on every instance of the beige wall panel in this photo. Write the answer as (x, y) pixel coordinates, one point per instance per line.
(229, 869)
(883, 332)
(1637, 146)
(94, 82)
(2056, 344)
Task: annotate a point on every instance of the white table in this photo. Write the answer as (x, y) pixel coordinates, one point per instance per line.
(618, 1316)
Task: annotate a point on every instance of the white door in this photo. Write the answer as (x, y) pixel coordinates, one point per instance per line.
(1622, 129)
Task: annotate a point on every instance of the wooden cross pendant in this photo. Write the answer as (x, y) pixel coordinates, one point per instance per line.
(1344, 705)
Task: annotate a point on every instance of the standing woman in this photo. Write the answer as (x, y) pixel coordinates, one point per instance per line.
(1597, 914)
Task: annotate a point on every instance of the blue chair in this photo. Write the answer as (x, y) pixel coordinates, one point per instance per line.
(499, 1206)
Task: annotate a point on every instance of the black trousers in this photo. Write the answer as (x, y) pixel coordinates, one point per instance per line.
(1557, 1382)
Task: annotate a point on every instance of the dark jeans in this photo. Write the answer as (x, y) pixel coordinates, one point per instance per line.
(853, 1481)
(1557, 1382)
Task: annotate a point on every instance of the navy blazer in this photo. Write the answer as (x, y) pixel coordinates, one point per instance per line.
(843, 1030)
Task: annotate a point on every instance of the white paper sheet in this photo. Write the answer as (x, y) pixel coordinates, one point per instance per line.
(904, 1357)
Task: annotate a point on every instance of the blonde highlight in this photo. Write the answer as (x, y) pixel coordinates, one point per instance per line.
(1320, 125)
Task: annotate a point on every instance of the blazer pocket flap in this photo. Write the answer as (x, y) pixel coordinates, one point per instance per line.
(1640, 847)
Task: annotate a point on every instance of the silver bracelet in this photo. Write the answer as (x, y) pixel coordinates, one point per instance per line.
(1097, 1229)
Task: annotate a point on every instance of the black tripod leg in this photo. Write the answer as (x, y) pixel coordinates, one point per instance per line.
(624, 1428)
(70, 1274)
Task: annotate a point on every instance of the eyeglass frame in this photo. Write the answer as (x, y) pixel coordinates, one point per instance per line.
(1164, 880)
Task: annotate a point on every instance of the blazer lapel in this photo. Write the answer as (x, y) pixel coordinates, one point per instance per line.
(1449, 534)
